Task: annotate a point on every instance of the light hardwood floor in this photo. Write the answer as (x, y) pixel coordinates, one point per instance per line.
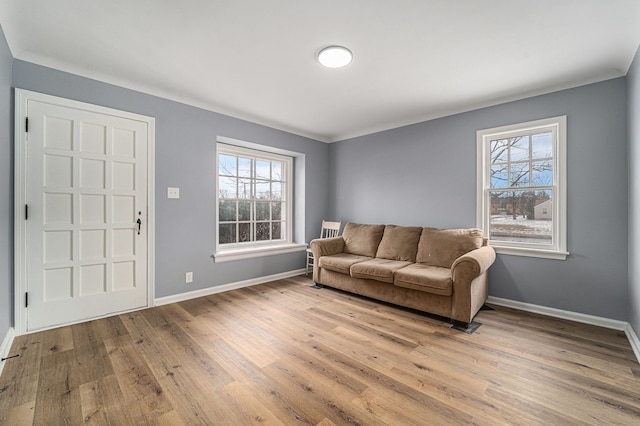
(284, 353)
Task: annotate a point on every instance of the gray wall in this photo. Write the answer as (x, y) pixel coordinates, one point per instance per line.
(633, 90)
(185, 158)
(6, 189)
(425, 174)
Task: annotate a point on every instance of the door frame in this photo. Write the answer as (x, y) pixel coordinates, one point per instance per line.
(20, 188)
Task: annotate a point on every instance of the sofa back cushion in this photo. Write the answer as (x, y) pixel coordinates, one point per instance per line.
(362, 240)
(399, 243)
(441, 247)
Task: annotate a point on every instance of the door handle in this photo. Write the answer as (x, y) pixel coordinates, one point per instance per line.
(139, 222)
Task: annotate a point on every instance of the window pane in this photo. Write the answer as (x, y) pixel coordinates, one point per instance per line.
(499, 176)
(519, 148)
(276, 230)
(276, 191)
(263, 169)
(262, 190)
(499, 151)
(520, 216)
(262, 231)
(519, 174)
(542, 145)
(244, 188)
(244, 167)
(227, 165)
(542, 173)
(262, 211)
(244, 210)
(227, 187)
(276, 171)
(276, 211)
(244, 233)
(227, 211)
(227, 233)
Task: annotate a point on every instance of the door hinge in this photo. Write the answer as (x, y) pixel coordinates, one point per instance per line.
(26, 300)
(26, 124)
(26, 212)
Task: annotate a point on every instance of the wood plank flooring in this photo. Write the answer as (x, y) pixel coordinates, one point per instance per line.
(283, 353)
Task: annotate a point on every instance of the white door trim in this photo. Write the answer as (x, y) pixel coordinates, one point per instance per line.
(20, 187)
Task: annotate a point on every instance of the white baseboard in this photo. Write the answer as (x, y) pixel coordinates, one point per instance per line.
(225, 287)
(559, 313)
(633, 339)
(6, 346)
(573, 316)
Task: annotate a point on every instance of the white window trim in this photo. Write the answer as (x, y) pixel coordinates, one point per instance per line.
(229, 255)
(231, 252)
(559, 249)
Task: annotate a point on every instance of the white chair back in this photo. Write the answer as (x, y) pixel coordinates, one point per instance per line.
(330, 229)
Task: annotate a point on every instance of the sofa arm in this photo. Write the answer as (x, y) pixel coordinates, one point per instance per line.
(324, 247)
(473, 264)
(470, 283)
(327, 246)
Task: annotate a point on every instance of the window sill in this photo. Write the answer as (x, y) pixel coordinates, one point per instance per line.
(249, 253)
(531, 252)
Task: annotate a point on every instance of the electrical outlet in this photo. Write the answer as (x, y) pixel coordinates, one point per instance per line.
(173, 192)
(188, 277)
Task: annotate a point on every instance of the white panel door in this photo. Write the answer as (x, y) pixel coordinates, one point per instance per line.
(86, 224)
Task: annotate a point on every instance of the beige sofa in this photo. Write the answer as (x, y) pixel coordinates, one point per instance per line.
(440, 271)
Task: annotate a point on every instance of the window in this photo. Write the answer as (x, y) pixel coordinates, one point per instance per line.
(522, 188)
(254, 203)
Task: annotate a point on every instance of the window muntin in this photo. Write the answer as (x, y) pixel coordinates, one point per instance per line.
(521, 187)
(253, 198)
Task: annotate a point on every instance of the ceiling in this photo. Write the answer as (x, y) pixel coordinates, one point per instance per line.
(414, 60)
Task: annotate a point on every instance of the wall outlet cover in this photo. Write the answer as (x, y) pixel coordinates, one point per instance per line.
(173, 192)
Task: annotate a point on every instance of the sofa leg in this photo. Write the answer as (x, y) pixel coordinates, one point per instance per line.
(466, 327)
(316, 285)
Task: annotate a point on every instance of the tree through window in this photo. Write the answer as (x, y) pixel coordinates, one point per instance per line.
(253, 201)
(521, 190)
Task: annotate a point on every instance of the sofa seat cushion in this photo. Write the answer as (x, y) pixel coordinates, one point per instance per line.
(341, 262)
(377, 269)
(419, 276)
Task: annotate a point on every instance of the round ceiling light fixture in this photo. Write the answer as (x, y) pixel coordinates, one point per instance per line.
(335, 57)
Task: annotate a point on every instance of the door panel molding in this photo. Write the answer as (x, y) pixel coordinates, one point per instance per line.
(21, 272)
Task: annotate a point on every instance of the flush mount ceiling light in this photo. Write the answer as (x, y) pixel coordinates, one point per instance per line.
(335, 57)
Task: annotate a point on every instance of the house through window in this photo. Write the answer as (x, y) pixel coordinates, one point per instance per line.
(522, 187)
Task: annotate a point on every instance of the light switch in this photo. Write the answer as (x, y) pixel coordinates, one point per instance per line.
(173, 192)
